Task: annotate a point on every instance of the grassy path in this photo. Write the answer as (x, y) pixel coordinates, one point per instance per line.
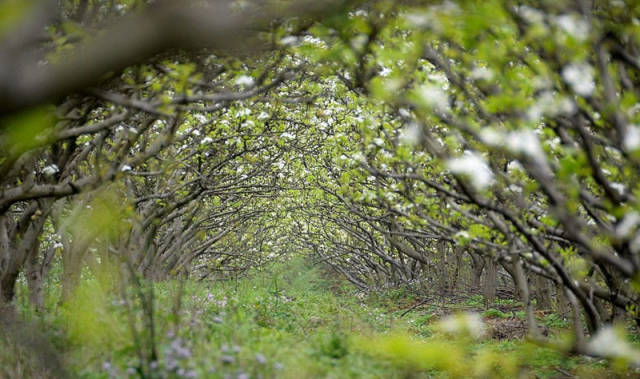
(293, 322)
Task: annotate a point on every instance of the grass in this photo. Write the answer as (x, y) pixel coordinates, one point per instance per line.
(495, 313)
(288, 321)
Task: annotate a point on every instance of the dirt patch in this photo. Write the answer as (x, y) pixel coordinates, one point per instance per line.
(506, 328)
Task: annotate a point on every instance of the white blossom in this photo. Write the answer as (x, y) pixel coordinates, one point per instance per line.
(433, 96)
(481, 73)
(618, 187)
(463, 234)
(465, 323)
(360, 41)
(526, 142)
(159, 124)
(361, 13)
(206, 140)
(531, 15)
(573, 25)
(358, 156)
(411, 134)
(580, 77)
(439, 78)
(418, 20)
(550, 105)
(627, 225)
(554, 142)
(289, 41)
(50, 169)
(244, 80)
(404, 112)
(243, 112)
(565, 106)
(609, 343)
(385, 71)
(632, 138)
(474, 166)
(491, 136)
(200, 118)
(125, 168)
(515, 188)
(386, 154)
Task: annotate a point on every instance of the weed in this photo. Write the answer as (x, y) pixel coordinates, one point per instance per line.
(553, 320)
(476, 301)
(495, 313)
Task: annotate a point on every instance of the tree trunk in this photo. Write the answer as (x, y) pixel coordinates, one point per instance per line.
(7, 281)
(543, 293)
(562, 304)
(442, 247)
(34, 273)
(477, 266)
(458, 252)
(8, 285)
(522, 283)
(19, 240)
(71, 274)
(489, 285)
(72, 262)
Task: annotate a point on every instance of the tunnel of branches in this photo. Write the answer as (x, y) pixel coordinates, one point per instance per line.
(388, 151)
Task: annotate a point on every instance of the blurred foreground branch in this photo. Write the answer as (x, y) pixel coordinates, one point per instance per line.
(27, 80)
